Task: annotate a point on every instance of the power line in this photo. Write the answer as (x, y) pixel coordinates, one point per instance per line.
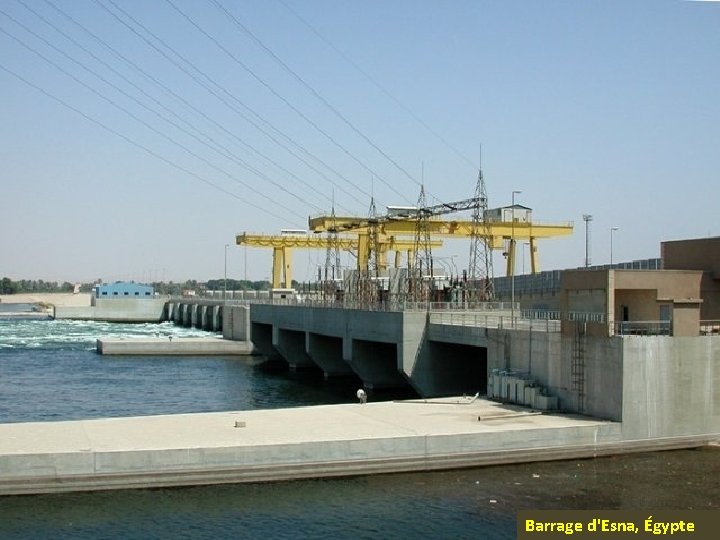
(312, 90)
(173, 94)
(211, 81)
(189, 105)
(282, 98)
(377, 84)
(225, 153)
(135, 143)
(134, 116)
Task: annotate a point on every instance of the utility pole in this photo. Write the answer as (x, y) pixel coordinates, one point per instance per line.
(225, 282)
(511, 254)
(612, 230)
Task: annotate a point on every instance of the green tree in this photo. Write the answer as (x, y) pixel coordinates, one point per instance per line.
(7, 286)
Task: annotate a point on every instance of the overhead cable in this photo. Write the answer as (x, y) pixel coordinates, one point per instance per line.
(137, 144)
(211, 81)
(223, 150)
(379, 86)
(283, 99)
(313, 91)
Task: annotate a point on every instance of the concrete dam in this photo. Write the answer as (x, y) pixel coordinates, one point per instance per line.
(556, 389)
(629, 361)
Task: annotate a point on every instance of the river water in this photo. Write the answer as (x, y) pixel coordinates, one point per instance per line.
(49, 371)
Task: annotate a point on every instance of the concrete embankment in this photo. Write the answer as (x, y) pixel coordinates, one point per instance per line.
(52, 299)
(173, 346)
(269, 445)
(38, 306)
(122, 310)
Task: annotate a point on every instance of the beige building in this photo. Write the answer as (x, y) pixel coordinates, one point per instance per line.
(699, 254)
(653, 302)
(681, 299)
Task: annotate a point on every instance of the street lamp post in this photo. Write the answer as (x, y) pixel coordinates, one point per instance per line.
(587, 218)
(612, 230)
(225, 281)
(512, 256)
(245, 272)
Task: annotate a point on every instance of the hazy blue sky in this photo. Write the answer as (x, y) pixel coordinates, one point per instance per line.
(115, 163)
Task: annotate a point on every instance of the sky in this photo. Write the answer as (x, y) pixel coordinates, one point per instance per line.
(138, 138)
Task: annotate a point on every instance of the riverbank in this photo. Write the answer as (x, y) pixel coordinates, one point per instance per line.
(302, 442)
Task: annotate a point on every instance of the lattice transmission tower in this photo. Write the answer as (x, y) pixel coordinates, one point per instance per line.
(420, 289)
(332, 259)
(368, 274)
(480, 267)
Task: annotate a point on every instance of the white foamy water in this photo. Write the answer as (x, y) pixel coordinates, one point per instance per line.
(34, 333)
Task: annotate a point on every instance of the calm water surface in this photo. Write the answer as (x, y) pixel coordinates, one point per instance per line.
(49, 371)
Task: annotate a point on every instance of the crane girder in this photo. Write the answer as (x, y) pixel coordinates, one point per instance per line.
(296, 241)
(387, 242)
(358, 243)
(519, 230)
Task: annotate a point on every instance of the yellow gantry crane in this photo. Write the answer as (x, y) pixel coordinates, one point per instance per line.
(505, 227)
(283, 244)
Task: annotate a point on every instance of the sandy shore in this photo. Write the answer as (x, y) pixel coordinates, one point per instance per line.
(55, 299)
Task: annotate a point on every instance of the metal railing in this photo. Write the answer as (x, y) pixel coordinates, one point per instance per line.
(586, 317)
(710, 328)
(642, 328)
(473, 314)
(489, 320)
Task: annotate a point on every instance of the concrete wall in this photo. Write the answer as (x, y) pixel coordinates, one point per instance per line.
(685, 320)
(698, 254)
(680, 284)
(658, 386)
(116, 310)
(671, 386)
(236, 323)
(589, 377)
(583, 371)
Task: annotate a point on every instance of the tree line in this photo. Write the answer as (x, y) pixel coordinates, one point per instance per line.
(8, 286)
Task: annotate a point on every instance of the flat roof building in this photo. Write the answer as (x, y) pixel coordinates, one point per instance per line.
(123, 289)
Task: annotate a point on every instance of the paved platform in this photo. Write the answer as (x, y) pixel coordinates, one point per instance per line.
(280, 444)
(173, 346)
